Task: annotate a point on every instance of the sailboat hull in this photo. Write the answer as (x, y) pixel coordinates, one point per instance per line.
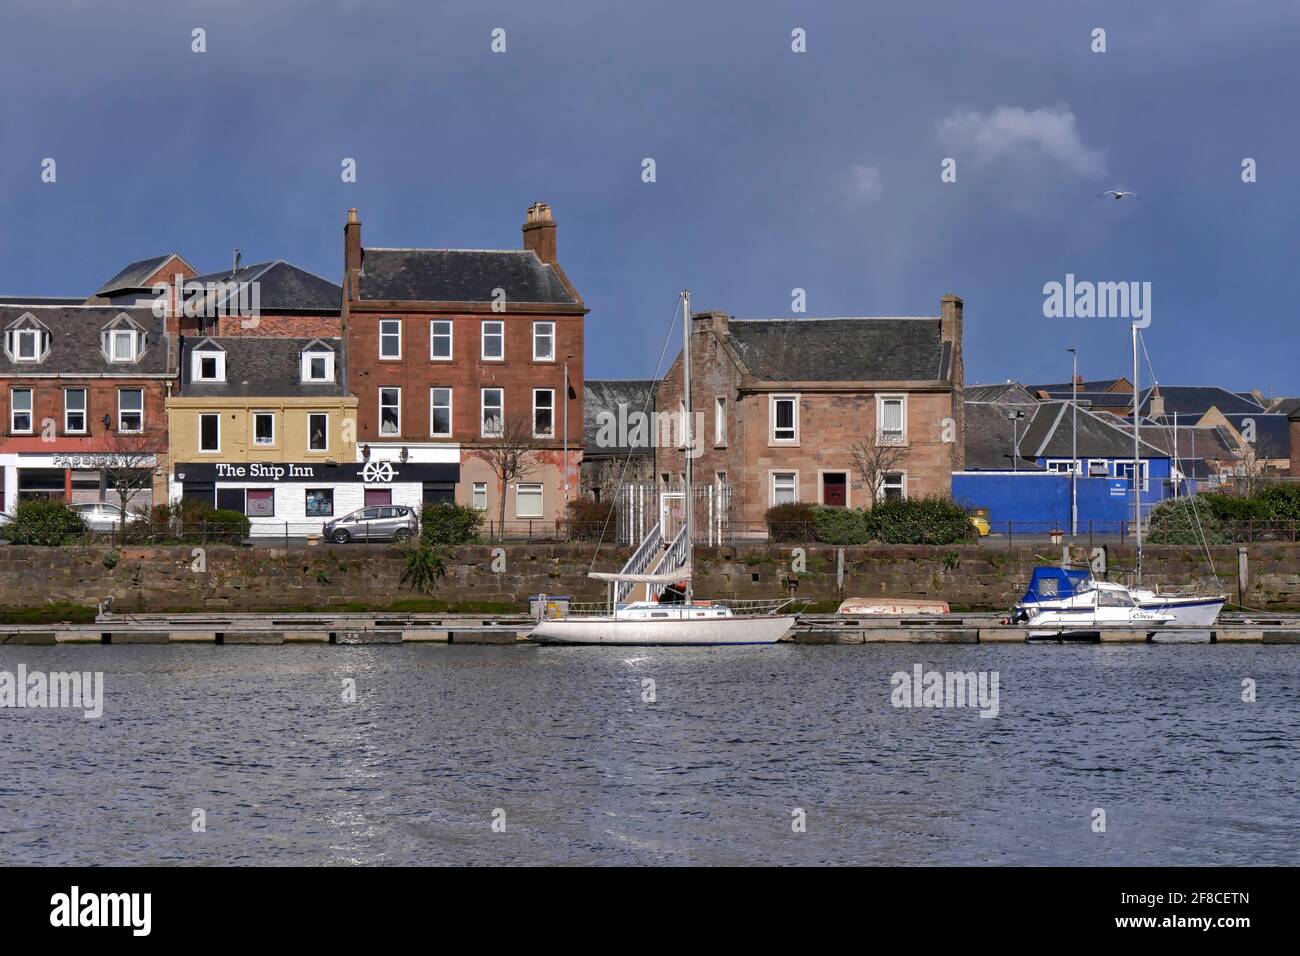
(702, 632)
(1186, 611)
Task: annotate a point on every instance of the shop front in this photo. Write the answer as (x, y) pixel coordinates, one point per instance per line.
(298, 498)
(76, 478)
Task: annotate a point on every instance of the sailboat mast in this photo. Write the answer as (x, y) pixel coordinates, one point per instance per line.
(1137, 482)
(689, 502)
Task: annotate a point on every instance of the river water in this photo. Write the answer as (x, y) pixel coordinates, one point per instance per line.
(256, 748)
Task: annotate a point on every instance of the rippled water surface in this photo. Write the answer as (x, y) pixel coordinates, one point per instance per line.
(585, 772)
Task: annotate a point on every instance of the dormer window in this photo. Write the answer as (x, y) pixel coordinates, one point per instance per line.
(122, 340)
(27, 340)
(317, 366)
(209, 366)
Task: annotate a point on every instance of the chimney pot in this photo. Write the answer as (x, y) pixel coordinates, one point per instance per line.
(539, 232)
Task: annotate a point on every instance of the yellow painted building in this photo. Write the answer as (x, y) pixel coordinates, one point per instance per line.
(259, 428)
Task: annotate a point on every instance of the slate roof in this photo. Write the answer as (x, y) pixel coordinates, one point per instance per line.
(1199, 399)
(1094, 385)
(1283, 406)
(1272, 433)
(1045, 432)
(988, 438)
(605, 395)
(134, 275)
(1005, 393)
(841, 350)
(460, 275)
(42, 300)
(282, 287)
(261, 366)
(76, 345)
(1095, 399)
(1206, 442)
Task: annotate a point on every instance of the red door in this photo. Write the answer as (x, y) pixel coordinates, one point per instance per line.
(835, 489)
(378, 496)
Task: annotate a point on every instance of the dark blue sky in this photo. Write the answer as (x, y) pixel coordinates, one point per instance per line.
(775, 170)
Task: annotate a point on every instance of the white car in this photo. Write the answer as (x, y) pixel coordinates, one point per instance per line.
(104, 516)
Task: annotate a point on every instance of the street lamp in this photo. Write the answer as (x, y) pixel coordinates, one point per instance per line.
(1074, 441)
(1015, 438)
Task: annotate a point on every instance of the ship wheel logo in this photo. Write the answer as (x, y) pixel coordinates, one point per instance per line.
(378, 471)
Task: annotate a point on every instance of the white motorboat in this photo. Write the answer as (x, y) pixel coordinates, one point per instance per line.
(1096, 607)
(659, 565)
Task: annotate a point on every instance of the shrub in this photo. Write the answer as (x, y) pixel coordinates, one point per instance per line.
(1231, 508)
(932, 520)
(48, 523)
(446, 523)
(1184, 521)
(424, 565)
(229, 526)
(588, 518)
(791, 522)
(1282, 501)
(842, 525)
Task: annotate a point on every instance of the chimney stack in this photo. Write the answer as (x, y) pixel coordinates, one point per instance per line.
(539, 232)
(351, 254)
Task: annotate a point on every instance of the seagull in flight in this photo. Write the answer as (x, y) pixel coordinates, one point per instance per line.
(1118, 194)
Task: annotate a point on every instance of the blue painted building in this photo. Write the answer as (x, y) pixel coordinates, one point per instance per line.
(1019, 463)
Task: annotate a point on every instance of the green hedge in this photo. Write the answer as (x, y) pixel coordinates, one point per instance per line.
(912, 521)
(446, 523)
(47, 523)
(791, 522)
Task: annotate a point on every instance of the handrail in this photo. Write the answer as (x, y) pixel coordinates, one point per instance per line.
(640, 560)
(675, 556)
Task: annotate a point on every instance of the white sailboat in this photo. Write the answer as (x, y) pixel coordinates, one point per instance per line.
(658, 564)
(1186, 610)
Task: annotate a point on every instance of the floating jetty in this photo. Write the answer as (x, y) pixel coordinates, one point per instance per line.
(270, 629)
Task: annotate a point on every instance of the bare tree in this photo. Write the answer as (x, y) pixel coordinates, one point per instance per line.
(876, 460)
(128, 463)
(512, 456)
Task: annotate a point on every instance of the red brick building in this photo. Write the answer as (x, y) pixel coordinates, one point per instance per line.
(82, 393)
(448, 348)
(786, 409)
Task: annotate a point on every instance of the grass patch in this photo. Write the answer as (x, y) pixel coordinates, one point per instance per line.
(60, 612)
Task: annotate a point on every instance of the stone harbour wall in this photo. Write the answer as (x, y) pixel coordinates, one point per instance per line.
(989, 576)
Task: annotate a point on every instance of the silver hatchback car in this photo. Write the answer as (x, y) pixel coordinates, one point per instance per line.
(105, 516)
(379, 523)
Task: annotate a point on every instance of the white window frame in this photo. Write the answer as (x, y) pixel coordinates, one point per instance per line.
(482, 408)
(450, 336)
(196, 365)
(398, 390)
(719, 422)
(130, 431)
(536, 433)
(881, 400)
(883, 484)
(772, 438)
(18, 336)
(305, 371)
(318, 451)
(479, 487)
(451, 398)
(1144, 470)
(84, 410)
(209, 451)
(30, 411)
(1061, 466)
(541, 499)
(389, 335)
(771, 483)
(132, 342)
(550, 333)
(263, 444)
(483, 337)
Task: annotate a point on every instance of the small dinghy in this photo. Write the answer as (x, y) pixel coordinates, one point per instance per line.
(891, 607)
